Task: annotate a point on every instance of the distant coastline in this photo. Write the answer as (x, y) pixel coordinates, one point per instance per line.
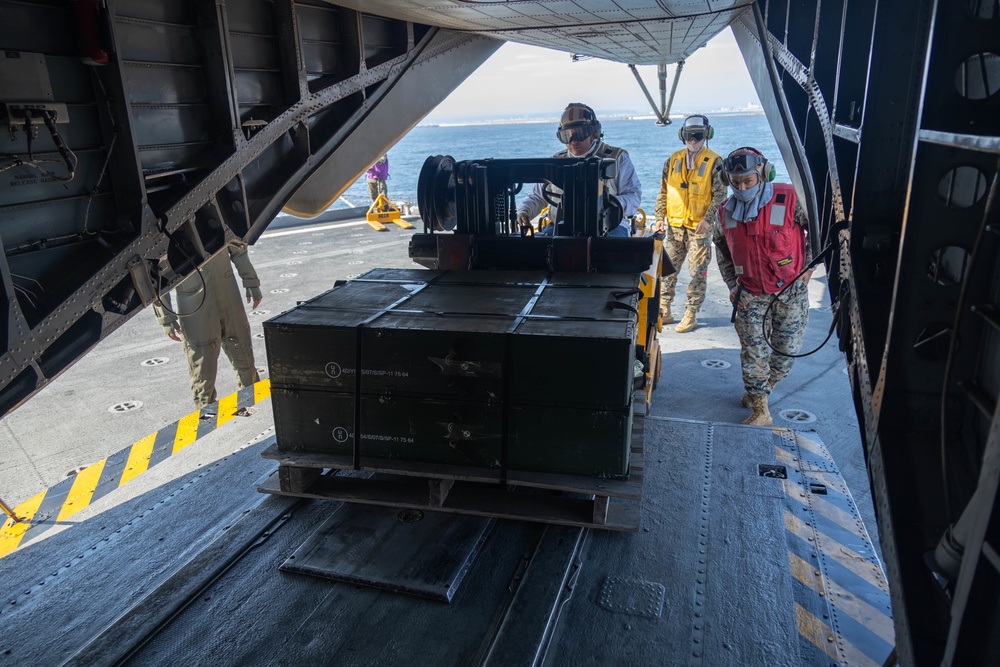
(749, 110)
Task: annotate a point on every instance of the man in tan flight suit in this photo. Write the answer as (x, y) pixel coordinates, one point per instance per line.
(210, 316)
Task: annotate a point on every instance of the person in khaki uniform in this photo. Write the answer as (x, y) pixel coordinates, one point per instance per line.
(210, 316)
(686, 210)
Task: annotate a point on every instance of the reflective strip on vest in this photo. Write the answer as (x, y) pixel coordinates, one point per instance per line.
(778, 215)
(701, 169)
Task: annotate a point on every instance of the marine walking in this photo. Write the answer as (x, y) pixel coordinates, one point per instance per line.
(763, 246)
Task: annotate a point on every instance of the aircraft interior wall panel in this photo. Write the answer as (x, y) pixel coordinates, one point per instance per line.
(160, 42)
(258, 90)
(253, 17)
(21, 21)
(854, 55)
(254, 51)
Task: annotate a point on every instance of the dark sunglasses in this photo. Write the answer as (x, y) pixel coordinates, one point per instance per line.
(693, 136)
(573, 134)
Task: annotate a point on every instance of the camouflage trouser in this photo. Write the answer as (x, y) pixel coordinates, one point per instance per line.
(377, 187)
(786, 323)
(683, 243)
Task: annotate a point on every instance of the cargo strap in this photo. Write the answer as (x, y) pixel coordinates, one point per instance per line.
(508, 346)
(615, 304)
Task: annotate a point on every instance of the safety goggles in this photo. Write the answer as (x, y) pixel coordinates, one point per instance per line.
(742, 163)
(569, 134)
(694, 135)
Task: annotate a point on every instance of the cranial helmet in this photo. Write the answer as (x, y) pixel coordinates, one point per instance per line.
(694, 124)
(744, 160)
(577, 118)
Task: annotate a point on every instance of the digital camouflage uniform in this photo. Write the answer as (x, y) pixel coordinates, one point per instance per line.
(681, 243)
(763, 367)
(217, 322)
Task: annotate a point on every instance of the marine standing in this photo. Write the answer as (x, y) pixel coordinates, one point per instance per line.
(580, 130)
(691, 190)
(377, 176)
(210, 316)
(762, 244)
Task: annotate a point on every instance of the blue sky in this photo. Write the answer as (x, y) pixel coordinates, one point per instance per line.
(523, 80)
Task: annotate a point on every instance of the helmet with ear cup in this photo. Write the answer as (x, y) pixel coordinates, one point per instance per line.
(744, 160)
(696, 123)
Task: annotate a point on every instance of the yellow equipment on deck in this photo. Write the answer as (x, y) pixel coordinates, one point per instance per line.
(383, 210)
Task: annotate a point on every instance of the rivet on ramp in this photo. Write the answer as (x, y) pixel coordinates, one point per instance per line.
(258, 335)
(281, 290)
(717, 364)
(125, 406)
(259, 311)
(356, 262)
(155, 361)
(288, 275)
(410, 516)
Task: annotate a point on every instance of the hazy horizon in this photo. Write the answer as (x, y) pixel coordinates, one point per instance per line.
(525, 81)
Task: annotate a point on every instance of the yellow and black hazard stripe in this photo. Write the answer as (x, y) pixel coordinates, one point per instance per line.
(58, 503)
(842, 604)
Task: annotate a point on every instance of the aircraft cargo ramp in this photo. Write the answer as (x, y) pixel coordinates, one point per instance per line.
(733, 565)
(188, 564)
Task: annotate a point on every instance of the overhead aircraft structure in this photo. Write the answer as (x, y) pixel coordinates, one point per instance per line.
(145, 135)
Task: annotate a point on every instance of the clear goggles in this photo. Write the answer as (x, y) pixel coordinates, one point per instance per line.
(578, 133)
(694, 135)
(742, 163)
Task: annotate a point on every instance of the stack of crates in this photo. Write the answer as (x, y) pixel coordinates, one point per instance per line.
(499, 370)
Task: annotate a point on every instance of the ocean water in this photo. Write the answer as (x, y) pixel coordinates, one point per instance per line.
(648, 144)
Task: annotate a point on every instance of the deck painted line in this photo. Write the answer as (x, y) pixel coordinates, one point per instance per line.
(842, 606)
(62, 501)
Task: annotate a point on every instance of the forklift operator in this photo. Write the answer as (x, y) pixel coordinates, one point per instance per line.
(580, 130)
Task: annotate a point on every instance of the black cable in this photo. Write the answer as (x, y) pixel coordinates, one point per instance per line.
(48, 117)
(834, 306)
(204, 285)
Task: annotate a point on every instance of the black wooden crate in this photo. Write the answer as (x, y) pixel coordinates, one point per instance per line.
(541, 438)
(457, 334)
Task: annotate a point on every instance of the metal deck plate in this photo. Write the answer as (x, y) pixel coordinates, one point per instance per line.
(405, 551)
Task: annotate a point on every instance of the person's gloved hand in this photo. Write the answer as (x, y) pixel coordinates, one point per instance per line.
(173, 331)
(523, 219)
(254, 296)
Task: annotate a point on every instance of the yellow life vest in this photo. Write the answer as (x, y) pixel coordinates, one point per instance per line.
(689, 192)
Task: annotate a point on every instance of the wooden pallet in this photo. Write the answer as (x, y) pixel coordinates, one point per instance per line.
(530, 496)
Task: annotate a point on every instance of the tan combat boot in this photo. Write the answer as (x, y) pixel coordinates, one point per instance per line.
(668, 317)
(688, 322)
(747, 400)
(761, 416)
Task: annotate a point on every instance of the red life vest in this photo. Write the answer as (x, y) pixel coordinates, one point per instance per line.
(768, 251)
